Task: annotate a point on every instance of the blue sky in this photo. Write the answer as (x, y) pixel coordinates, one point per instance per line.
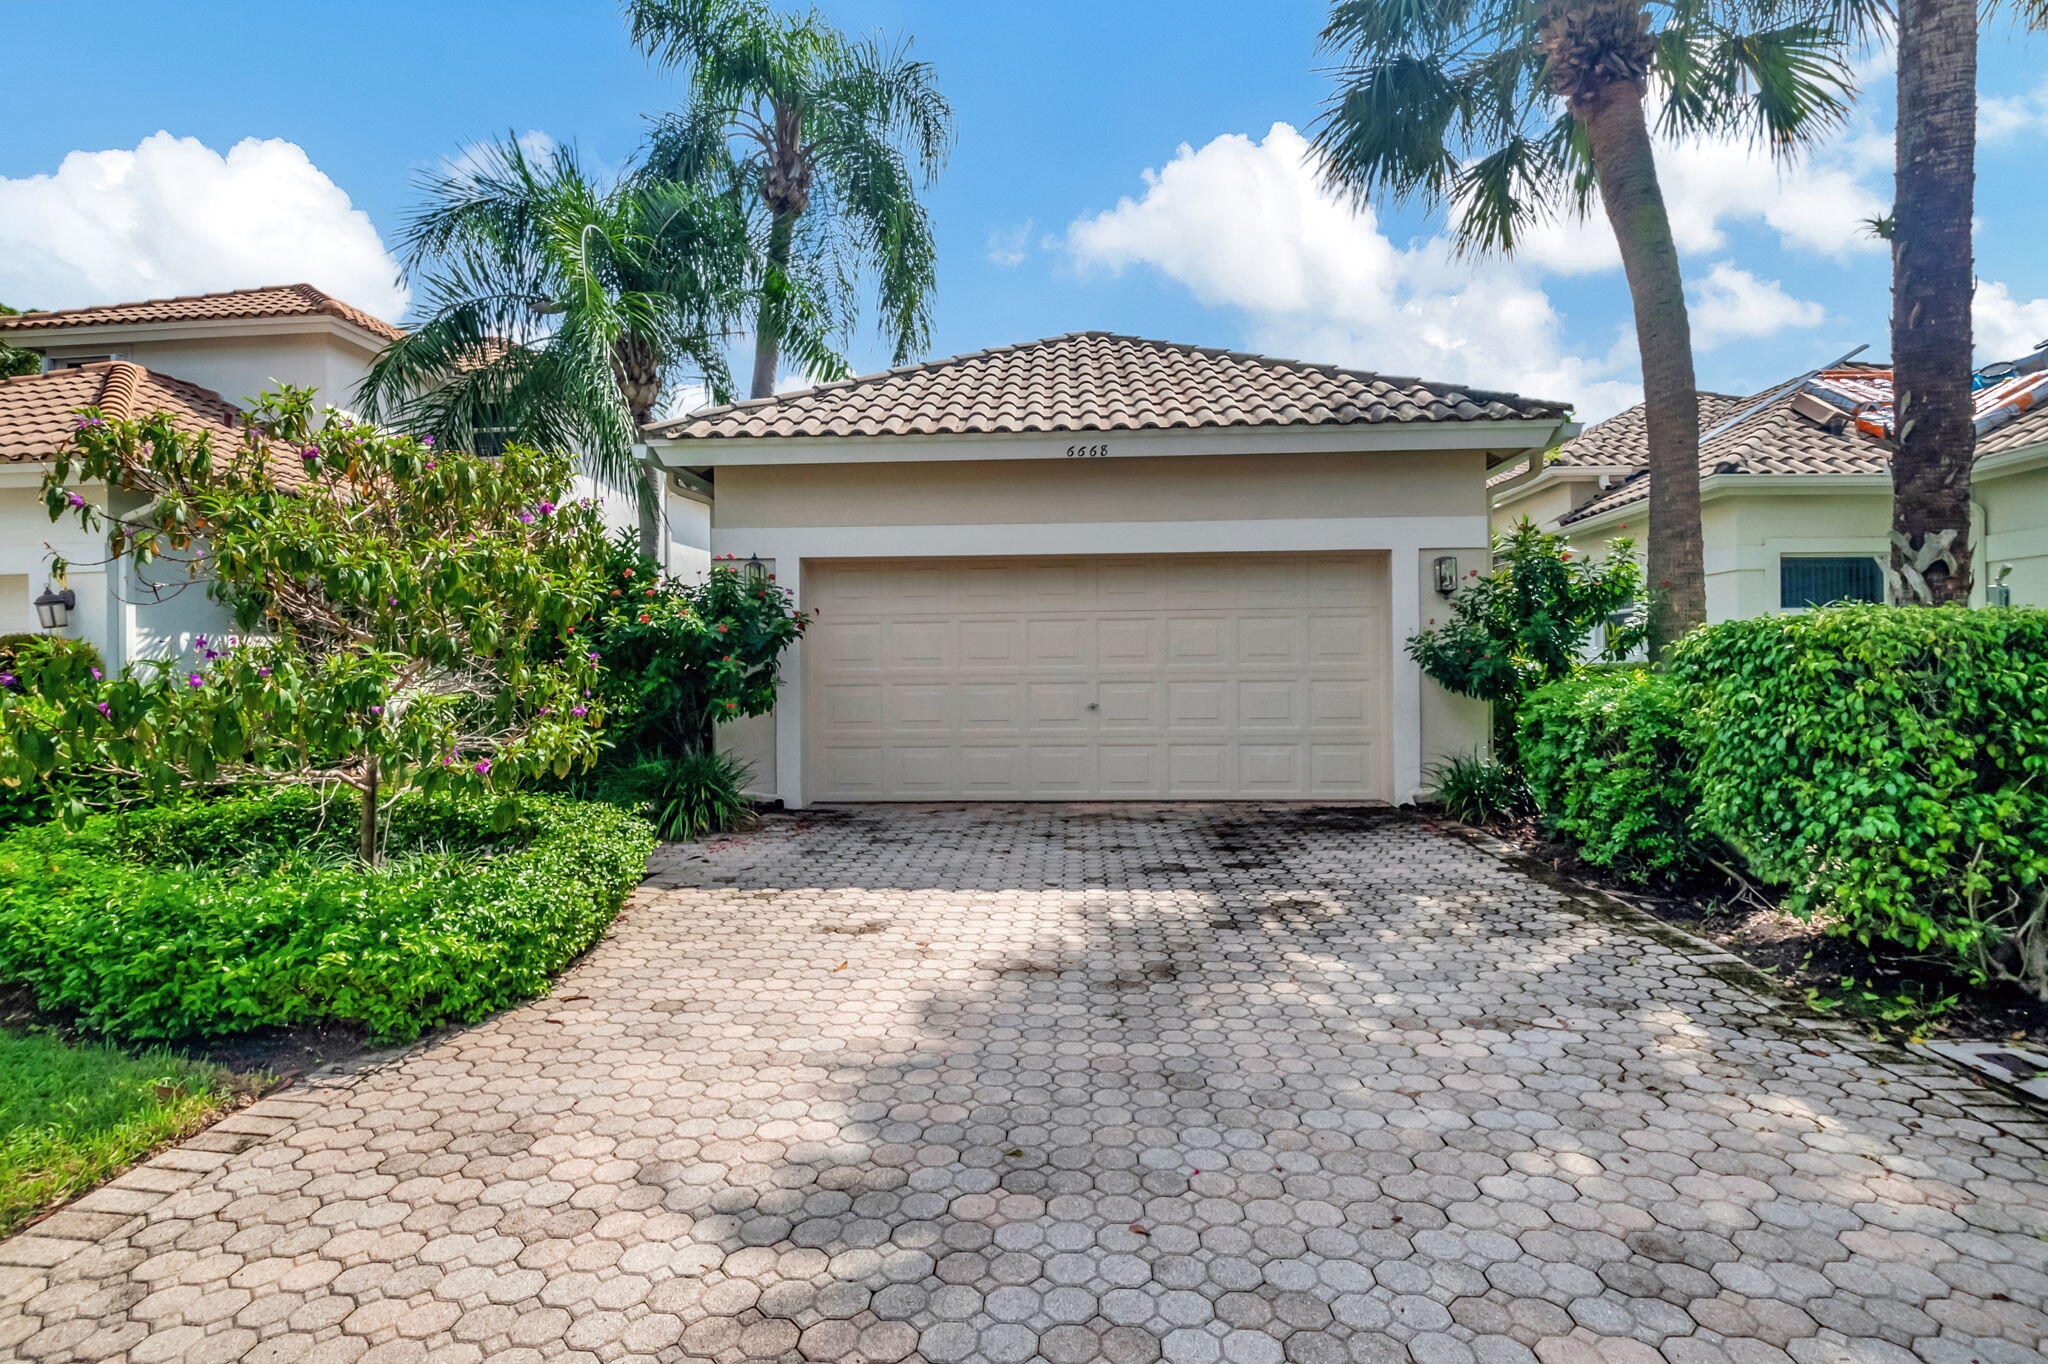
(1047, 219)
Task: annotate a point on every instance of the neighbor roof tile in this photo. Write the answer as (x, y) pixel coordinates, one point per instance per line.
(39, 412)
(281, 300)
(1100, 382)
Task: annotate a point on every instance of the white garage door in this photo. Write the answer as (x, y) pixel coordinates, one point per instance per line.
(1184, 676)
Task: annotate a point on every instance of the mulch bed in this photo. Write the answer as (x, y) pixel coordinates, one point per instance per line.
(271, 1056)
(1890, 989)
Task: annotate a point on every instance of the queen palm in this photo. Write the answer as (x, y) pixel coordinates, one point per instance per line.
(1509, 111)
(826, 139)
(558, 310)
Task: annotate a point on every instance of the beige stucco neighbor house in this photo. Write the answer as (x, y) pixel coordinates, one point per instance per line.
(1102, 567)
(1795, 502)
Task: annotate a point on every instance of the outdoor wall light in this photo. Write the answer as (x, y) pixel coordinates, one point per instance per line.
(1446, 573)
(757, 572)
(54, 608)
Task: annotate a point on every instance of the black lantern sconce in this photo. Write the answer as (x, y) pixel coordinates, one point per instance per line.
(1446, 567)
(757, 572)
(54, 607)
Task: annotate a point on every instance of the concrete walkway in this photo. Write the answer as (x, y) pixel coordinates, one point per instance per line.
(1191, 1083)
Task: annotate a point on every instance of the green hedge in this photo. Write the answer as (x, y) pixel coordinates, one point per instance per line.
(218, 917)
(1890, 766)
(1607, 760)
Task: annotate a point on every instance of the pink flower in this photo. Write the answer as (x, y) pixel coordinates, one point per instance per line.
(376, 710)
(104, 708)
(483, 766)
(196, 680)
(74, 499)
(263, 672)
(97, 675)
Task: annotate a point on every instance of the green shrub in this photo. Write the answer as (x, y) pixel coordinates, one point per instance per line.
(1478, 790)
(215, 918)
(24, 658)
(1608, 759)
(24, 655)
(683, 797)
(1890, 766)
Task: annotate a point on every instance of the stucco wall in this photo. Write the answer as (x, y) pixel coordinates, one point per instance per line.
(239, 368)
(2015, 524)
(1164, 488)
(1452, 725)
(28, 538)
(1545, 504)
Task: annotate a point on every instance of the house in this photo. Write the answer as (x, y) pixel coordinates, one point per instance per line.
(1795, 490)
(202, 358)
(1103, 567)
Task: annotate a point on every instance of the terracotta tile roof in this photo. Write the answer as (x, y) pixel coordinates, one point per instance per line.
(1778, 440)
(1101, 381)
(282, 300)
(38, 412)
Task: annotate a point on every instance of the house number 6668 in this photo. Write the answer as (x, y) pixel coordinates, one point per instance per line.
(1088, 451)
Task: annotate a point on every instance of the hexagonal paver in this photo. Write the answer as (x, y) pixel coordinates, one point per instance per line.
(1218, 1084)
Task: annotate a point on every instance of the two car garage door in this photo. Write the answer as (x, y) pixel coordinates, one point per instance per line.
(1160, 676)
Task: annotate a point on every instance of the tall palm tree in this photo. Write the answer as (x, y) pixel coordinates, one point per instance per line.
(1508, 111)
(557, 310)
(828, 139)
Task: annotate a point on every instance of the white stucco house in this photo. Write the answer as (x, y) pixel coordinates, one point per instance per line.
(1102, 567)
(203, 358)
(1796, 495)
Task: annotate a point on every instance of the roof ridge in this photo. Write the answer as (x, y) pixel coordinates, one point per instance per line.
(313, 298)
(1439, 389)
(167, 298)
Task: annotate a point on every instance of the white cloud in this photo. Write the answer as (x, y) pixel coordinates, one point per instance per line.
(1244, 225)
(173, 216)
(1007, 246)
(537, 145)
(2004, 327)
(1732, 304)
(2001, 118)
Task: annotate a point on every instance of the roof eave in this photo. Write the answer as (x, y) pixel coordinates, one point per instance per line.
(96, 334)
(1517, 436)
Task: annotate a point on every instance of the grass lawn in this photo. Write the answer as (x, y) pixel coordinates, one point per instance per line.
(74, 1115)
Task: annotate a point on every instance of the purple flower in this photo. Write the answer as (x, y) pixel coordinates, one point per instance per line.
(97, 675)
(430, 464)
(310, 453)
(263, 672)
(427, 441)
(196, 680)
(9, 680)
(376, 710)
(483, 766)
(579, 711)
(74, 499)
(547, 509)
(526, 518)
(592, 656)
(199, 641)
(84, 422)
(104, 708)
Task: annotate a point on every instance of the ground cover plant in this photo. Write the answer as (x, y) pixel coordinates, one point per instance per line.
(74, 1114)
(208, 918)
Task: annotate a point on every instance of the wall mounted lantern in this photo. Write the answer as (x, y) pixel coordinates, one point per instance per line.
(54, 608)
(757, 572)
(1446, 573)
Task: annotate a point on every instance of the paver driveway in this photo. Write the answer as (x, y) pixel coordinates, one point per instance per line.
(1192, 1083)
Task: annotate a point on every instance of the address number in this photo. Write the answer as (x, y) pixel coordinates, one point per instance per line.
(1088, 451)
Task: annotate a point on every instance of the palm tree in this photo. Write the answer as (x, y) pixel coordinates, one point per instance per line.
(1508, 111)
(827, 139)
(556, 311)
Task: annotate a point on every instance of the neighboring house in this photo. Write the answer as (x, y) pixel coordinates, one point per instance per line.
(1101, 567)
(1795, 497)
(203, 358)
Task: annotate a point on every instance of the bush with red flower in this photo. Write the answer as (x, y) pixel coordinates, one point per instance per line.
(682, 657)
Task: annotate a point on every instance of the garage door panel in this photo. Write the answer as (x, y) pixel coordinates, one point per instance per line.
(1062, 769)
(1204, 676)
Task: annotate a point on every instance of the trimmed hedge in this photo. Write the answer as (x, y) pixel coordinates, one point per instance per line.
(1890, 766)
(1607, 758)
(219, 917)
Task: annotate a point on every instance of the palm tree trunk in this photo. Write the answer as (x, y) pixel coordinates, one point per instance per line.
(768, 325)
(639, 380)
(1625, 166)
(1931, 288)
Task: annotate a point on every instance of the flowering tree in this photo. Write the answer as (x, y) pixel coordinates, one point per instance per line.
(1529, 620)
(684, 657)
(407, 618)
